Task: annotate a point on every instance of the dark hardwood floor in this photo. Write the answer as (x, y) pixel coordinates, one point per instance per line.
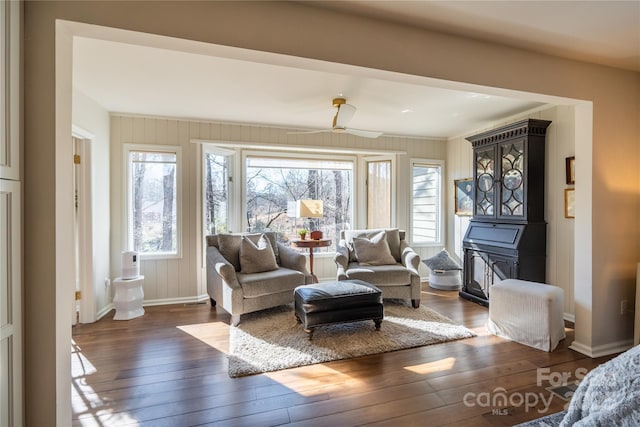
(149, 371)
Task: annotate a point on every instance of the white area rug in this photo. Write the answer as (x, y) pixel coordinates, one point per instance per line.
(271, 340)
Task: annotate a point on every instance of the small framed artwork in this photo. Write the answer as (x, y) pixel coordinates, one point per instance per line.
(464, 196)
(569, 202)
(570, 170)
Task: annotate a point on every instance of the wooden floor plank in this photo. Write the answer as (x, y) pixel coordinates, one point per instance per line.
(169, 368)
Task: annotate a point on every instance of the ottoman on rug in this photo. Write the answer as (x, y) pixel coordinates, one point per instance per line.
(527, 312)
(337, 302)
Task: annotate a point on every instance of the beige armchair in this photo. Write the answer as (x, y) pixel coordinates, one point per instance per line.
(238, 283)
(394, 272)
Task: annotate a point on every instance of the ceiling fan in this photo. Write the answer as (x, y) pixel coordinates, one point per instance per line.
(343, 116)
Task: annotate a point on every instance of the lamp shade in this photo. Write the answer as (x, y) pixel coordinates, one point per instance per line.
(309, 209)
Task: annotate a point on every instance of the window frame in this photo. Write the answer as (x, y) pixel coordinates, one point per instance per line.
(128, 199)
(301, 156)
(440, 226)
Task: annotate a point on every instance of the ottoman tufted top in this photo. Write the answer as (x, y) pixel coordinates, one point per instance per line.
(337, 295)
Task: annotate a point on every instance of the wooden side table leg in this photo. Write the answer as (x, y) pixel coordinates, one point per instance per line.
(313, 276)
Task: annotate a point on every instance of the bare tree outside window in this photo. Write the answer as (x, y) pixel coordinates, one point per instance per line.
(216, 193)
(272, 183)
(153, 201)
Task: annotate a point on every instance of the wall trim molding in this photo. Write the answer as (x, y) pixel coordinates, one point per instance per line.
(602, 350)
(105, 310)
(181, 300)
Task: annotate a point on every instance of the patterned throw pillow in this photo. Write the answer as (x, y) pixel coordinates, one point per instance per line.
(374, 251)
(256, 257)
(442, 261)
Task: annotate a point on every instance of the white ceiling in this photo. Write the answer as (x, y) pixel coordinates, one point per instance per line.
(277, 91)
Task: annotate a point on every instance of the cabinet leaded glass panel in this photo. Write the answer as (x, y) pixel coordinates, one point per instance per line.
(485, 173)
(512, 200)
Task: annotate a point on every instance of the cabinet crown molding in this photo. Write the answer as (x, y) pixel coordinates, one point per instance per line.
(514, 130)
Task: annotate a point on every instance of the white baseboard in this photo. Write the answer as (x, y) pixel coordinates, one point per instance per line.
(181, 300)
(105, 310)
(602, 350)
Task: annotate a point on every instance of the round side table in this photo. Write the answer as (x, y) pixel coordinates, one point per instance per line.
(128, 298)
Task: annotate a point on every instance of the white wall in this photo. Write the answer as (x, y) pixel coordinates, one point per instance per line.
(91, 117)
(560, 144)
(173, 280)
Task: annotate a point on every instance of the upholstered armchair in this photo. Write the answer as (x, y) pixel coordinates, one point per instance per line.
(252, 272)
(381, 257)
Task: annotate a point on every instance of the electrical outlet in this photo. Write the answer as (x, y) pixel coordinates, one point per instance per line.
(107, 282)
(624, 305)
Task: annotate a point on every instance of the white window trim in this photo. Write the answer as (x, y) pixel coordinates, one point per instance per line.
(441, 207)
(126, 220)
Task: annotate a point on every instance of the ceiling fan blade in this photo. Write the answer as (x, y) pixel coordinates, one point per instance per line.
(344, 115)
(309, 131)
(363, 133)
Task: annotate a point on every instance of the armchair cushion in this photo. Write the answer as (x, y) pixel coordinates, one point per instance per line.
(387, 275)
(373, 251)
(256, 257)
(270, 282)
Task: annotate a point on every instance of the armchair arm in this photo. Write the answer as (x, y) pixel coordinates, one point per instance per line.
(341, 258)
(292, 259)
(410, 259)
(215, 261)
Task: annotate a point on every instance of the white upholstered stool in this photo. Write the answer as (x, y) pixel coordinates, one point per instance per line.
(527, 312)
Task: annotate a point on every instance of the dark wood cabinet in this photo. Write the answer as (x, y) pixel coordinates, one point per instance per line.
(506, 237)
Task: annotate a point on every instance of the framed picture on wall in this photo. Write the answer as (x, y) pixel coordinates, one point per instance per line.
(569, 203)
(570, 165)
(463, 196)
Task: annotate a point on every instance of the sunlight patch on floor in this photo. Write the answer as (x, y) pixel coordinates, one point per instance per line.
(313, 380)
(214, 334)
(87, 405)
(437, 366)
(80, 365)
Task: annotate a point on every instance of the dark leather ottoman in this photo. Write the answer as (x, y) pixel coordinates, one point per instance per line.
(337, 302)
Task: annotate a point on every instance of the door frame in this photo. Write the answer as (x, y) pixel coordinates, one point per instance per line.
(84, 230)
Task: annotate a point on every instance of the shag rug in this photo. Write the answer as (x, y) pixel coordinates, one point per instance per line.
(271, 340)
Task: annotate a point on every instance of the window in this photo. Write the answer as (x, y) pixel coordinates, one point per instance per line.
(153, 215)
(216, 191)
(272, 182)
(426, 202)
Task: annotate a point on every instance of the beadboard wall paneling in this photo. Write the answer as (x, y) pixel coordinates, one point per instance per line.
(185, 278)
(560, 144)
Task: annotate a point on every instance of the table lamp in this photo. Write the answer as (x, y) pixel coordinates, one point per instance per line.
(311, 209)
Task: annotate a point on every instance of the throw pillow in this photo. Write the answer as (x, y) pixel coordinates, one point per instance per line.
(393, 239)
(374, 251)
(256, 257)
(442, 261)
(229, 246)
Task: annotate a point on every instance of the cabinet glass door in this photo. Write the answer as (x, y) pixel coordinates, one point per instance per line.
(485, 179)
(512, 188)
